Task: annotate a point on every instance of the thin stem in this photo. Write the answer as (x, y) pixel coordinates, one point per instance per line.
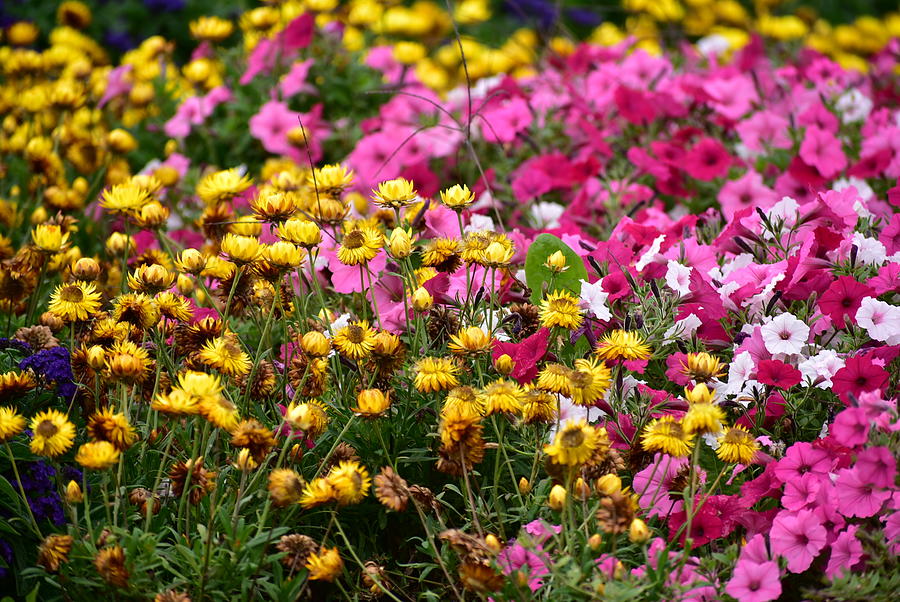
(15, 468)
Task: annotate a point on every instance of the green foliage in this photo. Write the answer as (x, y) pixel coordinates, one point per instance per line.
(538, 275)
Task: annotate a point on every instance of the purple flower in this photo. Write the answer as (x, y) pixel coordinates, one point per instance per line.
(53, 365)
(39, 483)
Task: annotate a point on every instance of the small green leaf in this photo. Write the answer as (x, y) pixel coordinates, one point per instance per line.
(537, 274)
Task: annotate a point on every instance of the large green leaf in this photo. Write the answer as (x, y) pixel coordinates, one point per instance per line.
(537, 274)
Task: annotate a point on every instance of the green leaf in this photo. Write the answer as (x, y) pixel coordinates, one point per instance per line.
(537, 274)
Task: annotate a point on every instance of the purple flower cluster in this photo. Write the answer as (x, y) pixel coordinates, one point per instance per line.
(53, 365)
(39, 483)
(16, 344)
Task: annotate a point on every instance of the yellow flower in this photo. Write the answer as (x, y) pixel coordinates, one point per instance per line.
(623, 344)
(538, 406)
(220, 412)
(11, 423)
(666, 435)
(152, 278)
(126, 362)
(315, 344)
(561, 309)
(308, 417)
(273, 206)
(574, 444)
(355, 341)
(703, 419)
(400, 243)
(638, 531)
(555, 378)
(408, 53)
(331, 179)
(588, 381)
(436, 374)
(700, 394)
(107, 425)
(497, 254)
(222, 186)
(176, 403)
(240, 249)
(300, 232)
(97, 455)
(470, 341)
(50, 238)
(372, 403)
(360, 246)
(737, 446)
(225, 355)
(326, 565)
(317, 492)
(442, 254)
(557, 498)
(395, 193)
(211, 29)
(124, 199)
(200, 384)
(283, 255)
(74, 495)
(285, 487)
(174, 307)
(53, 434)
(422, 300)
(457, 197)
(502, 397)
(465, 400)
(350, 482)
(54, 551)
(702, 367)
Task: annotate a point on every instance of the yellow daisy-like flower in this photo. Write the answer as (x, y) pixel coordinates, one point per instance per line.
(498, 253)
(53, 434)
(360, 246)
(126, 362)
(326, 565)
(737, 446)
(555, 378)
(240, 249)
(331, 179)
(137, 309)
(588, 381)
(703, 419)
(502, 397)
(11, 423)
(395, 193)
(75, 301)
(107, 425)
(222, 186)
(464, 400)
(175, 307)
(200, 384)
(225, 355)
(317, 492)
(574, 443)
(562, 309)
(211, 29)
(176, 403)
(623, 344)
(124, 199)
(699, 394)
(667, 435)
(285, 487)
(457, 197)
(350, 482)
(702, 367)
(97, 455)
(436, 374)
(54, 551)
(470, 341)
(538, 406)
(372, 403)
(220, 412)
(310, 418)
(441, 253)
(355, 341)
(50, 238)
(15, 384)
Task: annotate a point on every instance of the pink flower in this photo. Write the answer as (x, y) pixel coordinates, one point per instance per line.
(857, 495)
(525, 355)
(800, 459)
(858, 376)
(118, 82)
(755, 582)
(842, 299)
(878, 466)
(797, 537)
(541, 531)
(500, 122)
(653, 483)
(271, 126)
(746, 191)
(707, 160)
(732, 96)
(533, 564)
(823, 151)
(295, 80)
(778, 374)
(764, 129)
(846, 551)
(851, 427)
(803, 493)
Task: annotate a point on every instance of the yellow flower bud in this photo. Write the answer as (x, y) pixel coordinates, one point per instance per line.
(96, 357)
(557, 498)
(400, 243)
(185, 284)
(86, 269)
(457, 197)
(504, 364)
(608, 484)
(39, 215)
(556, 262)
(582, 489)
(192, 261)
(524, 486)
(121, 141)
(119, 244)
(74, 495)
(315, 344)
(422, 300)
(50, 238)
(638, 531)
(167, 176)
(245, 461)
(493, 543)
(594, 541)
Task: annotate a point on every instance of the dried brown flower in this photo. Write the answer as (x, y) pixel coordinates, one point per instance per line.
(110, 563)
(297, 549)
(391, 490)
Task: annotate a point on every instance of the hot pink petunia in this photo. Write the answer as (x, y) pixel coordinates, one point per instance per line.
(802, 493)
(525, 355)
(842, 299)
(778, 374)
(851, 427)
(877, 466)
(654, 482)
(822, 150)
(857, 496)
(859, 375)
(755, 582)
(800, 459)
(532, 563)
(707, 160)
(747, 191)
(846, 552)
(798, 538)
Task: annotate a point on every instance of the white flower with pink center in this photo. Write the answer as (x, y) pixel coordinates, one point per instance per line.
(785, 334)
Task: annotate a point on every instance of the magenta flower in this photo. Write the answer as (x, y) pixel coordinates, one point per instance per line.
(851, 427)
(501, 122)
(533, 564)
(798, 538)
(271, 126)
(842, 299)
(747, 191)
(764, 129)
(654, 482)
(859, 375)
(802, 493)
(707, 160)
(857, 495)
(878, 466)
(846, 551)
(800, 459)
(778, 374)
(755, 582)
(822, 150)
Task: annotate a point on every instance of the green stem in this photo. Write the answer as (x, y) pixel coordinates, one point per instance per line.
(15, 468)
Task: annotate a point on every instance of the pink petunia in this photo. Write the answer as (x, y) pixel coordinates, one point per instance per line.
(846, 552)
(778, 374)
(764, 129)
(822, 150)
(654, 482)
(802, 493)
(798, 538)
(501, 122)
(800, 459)
(271, 126)
(877, 466)
(707, 160)
(747, 191)
(533, 564)
(851, 427)
(842, 299)
(859, 375)
(857, 496)
(755, 582)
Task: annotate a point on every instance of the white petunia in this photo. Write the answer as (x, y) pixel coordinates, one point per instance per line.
(593, 298)
(546, 215)
(870, 251)
(650, 254)
(678, 277)
(819, 368)
(853, 106)
(881, 320)
(785, 334)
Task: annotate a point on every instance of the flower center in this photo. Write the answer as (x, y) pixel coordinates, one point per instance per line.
(355, 334)
(71, 294)
(573, 438)
(354, 240)
(47, 429)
